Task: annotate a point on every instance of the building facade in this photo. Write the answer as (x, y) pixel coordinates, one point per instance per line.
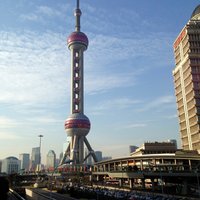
(51, 159)
(10, 165)
(98, 155)
(187, 81)
(25, 161)
(155, 148)
(35, 158)
(132, 148)
(89, 160)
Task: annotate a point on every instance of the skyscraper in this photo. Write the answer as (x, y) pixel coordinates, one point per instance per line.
(25, 161)
(187, 81)
(132, 148)
(51, 159)
(77, 125)
(89, 160)
(98, 155)
(35, 157)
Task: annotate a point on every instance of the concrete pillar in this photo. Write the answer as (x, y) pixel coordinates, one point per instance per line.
(143, 183)
(114, 166)
(120, 182)
(184, 189)
(141, 164)
(153, 184)
(190, 165)
(131, 183)
(109, 167)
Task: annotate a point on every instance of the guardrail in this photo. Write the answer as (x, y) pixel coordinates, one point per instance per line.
(15, 195)
(34, 195)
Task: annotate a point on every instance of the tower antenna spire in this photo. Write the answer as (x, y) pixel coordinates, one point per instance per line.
(77, 4)
(77, 14)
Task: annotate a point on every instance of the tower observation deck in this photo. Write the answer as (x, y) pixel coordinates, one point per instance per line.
(77, 125)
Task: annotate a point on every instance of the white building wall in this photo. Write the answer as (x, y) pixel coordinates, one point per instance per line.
(10, 165)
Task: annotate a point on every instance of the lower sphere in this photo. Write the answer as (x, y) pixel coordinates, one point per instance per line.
(77, 124)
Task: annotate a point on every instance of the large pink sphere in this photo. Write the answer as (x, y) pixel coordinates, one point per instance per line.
(77, 38)
(77, 124)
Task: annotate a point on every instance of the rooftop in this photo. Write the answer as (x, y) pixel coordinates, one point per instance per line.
(196, 13)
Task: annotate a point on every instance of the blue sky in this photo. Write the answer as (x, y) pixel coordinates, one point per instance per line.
(129, 95)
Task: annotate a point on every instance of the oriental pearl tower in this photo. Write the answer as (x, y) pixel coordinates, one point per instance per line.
(77, 125)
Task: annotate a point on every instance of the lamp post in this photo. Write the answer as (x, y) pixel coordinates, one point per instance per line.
(40, 136)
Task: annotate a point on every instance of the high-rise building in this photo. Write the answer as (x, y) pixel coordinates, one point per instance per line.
(10, 165)
(51, 159)
(187, 81)
(35, 157)
(89, 160)
(25, 161)
(98, 155)
(132, 148)
(107, 158)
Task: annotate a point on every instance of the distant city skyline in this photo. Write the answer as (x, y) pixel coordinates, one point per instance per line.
(129, 92)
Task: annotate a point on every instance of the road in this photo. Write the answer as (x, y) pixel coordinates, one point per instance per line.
(45, 194)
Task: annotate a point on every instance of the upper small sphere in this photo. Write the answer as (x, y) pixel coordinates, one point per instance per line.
(77, 12)
(77, 38)
(196, 11)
